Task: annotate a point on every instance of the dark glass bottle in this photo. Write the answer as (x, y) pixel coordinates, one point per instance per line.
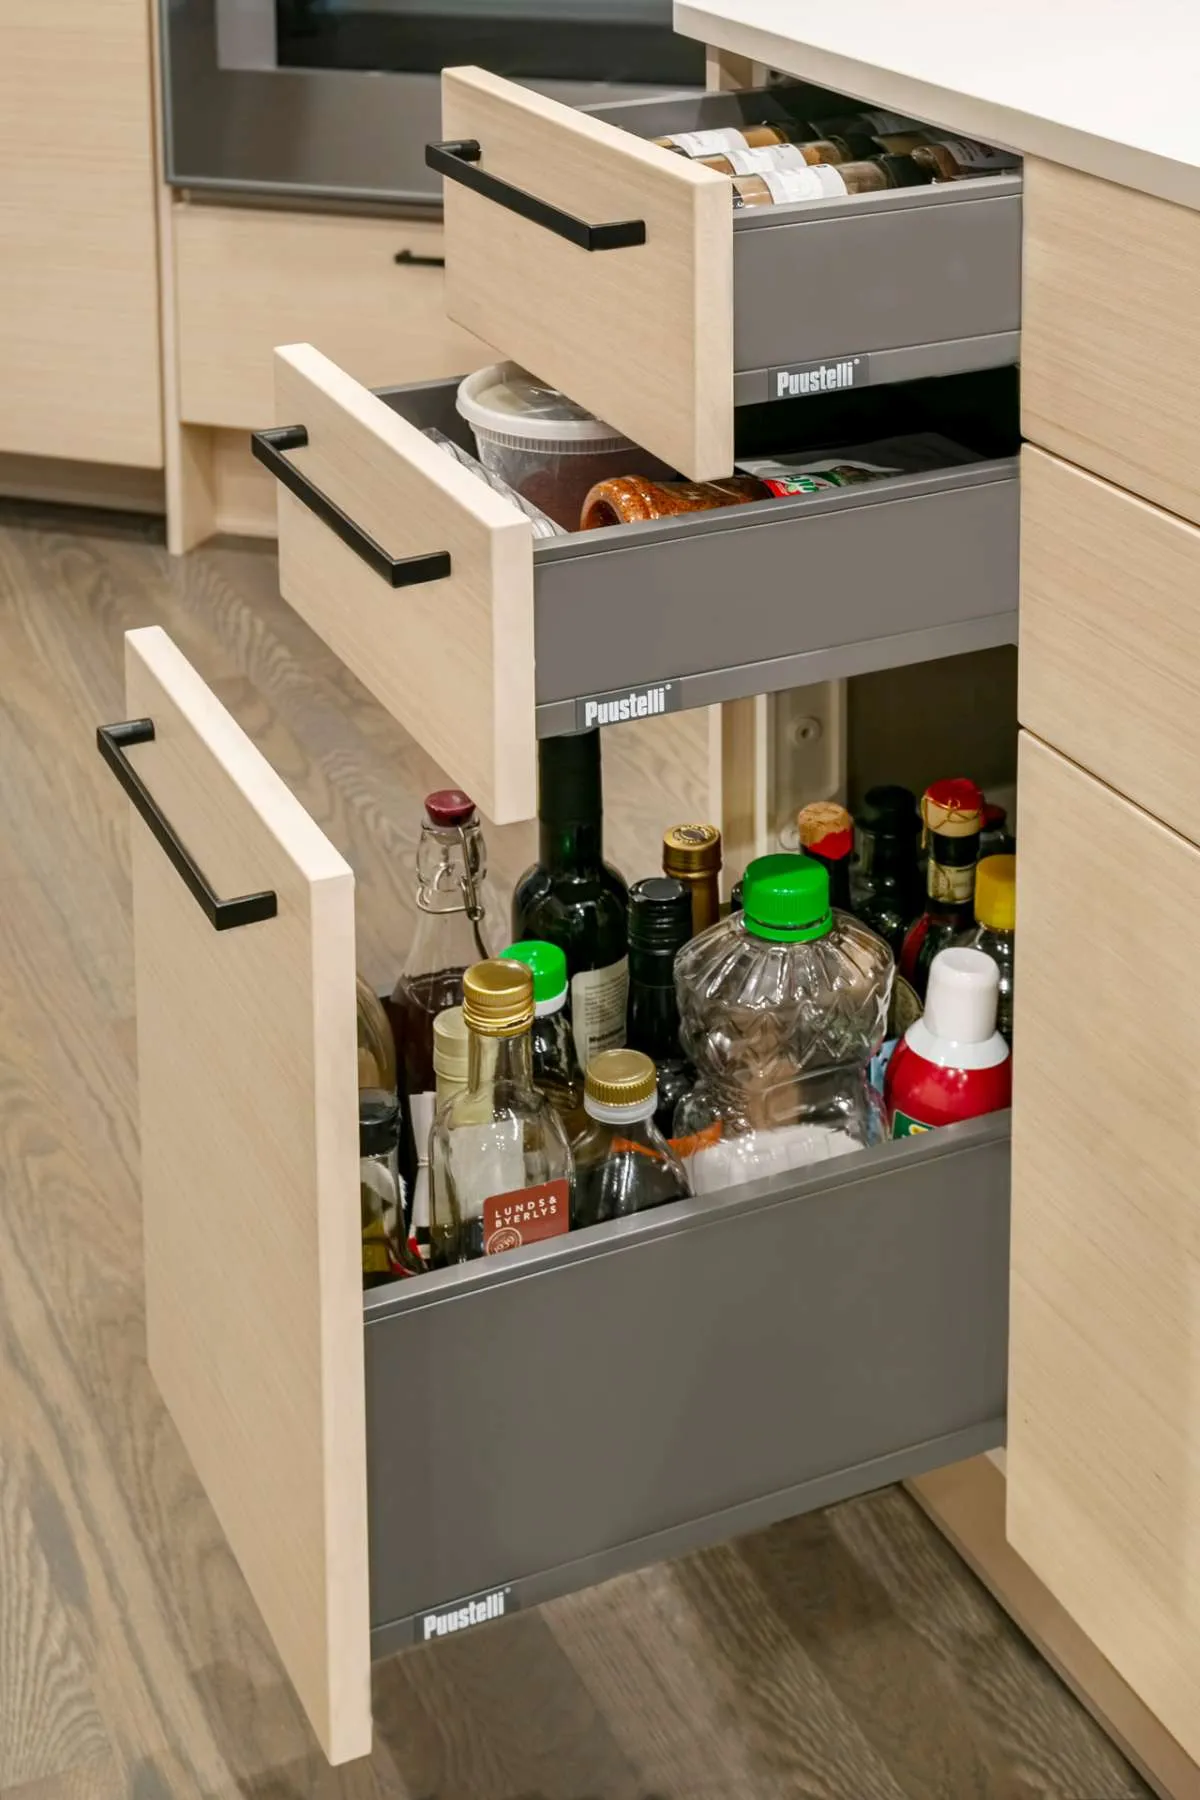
(827, 834)
(889, 875)
(952, 812)
(660, 924)
(623, 1163)
(573, 898)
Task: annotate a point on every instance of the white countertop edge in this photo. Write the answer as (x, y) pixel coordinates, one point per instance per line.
(1009, 127)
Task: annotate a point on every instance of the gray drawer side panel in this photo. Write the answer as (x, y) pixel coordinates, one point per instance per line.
(756, 1360)
(724, 598)
(917, 275)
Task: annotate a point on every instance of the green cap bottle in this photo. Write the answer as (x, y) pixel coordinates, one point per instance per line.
(786, 899)
(549, 966)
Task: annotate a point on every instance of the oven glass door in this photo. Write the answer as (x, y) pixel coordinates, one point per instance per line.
(538, 40)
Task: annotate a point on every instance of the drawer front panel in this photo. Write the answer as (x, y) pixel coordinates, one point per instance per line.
(681, 1377)
(451, 658)
(640, 335)
(1110, 358)
(249, 1135)
(1110, 641)
(1104, 1429)
(924, 281)
(246, 280)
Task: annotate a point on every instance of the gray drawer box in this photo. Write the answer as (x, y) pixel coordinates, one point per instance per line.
(549, 1419)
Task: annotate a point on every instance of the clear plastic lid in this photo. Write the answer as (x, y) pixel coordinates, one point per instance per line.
(507, 401)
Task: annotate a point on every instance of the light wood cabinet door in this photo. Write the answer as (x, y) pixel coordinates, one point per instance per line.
(249, 1135)
(79, 340)
(1104, 1376)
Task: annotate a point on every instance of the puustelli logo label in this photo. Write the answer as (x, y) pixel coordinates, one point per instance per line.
(821, 378)
(472, 1612)
(638, 703)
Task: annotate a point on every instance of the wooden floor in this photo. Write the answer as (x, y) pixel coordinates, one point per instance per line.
(845, 1656)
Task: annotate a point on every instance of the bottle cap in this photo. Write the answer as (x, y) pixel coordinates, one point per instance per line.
(450, 1039)
(960, 1002)
(620, 1078)
(903, 170)
(995, 818)
(498, 998)
(378, 1122)
(889, 810)
(786, 898)
(826, 829)
(996, 892)
(660, 914)
(692, 850)
(449, 806)
(548, 965)
(953, 808)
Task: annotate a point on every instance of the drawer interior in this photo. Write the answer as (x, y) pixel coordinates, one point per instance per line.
(920, 565)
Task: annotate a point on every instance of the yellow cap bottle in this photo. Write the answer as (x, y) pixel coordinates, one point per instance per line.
(996, 893)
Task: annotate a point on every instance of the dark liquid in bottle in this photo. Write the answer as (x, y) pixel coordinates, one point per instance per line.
(414, 1006)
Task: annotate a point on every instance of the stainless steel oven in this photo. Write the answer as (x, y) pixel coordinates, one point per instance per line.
(336, 99)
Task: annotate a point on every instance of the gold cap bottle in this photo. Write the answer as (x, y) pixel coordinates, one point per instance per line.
(621, 1078)
(498, 998)
(692, 853)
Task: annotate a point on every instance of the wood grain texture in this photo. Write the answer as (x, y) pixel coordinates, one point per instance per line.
(249, 1146)
(643, 336)
(81, 484)
(247, 279)
(966, 1502)
(79, 368)
(1110, 342)
(1104, 1362)
(1110, 646)
(472, 709)
(664, 1691)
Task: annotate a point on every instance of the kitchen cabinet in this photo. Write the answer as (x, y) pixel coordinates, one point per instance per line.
(79, 334)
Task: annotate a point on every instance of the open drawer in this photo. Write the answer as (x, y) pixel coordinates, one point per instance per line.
(620, 272)
(477, 637)
(390, 1470)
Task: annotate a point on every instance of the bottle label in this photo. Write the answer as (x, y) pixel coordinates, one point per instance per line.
(956, 885)
(888, 124)
(526, 1216)
(970, 155)
(765, 157)
(718, 141)
(815, 181)
(904, 1126)
(598, 1001)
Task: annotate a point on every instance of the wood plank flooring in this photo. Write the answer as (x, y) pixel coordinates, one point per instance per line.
(845, 1656)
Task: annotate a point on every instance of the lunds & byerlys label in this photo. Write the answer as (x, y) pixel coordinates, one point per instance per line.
(476, 1611)
(626, 703)
(819, 378)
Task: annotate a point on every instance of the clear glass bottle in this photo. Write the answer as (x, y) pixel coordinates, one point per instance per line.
(660, 924)
(556, 1071)
(451, 871)
(783, 1006)
(790, 156)
(386, 1253)
(623, 1163)
(499, 1163)
(450, 1058)
(376, 1045)
(995, 929)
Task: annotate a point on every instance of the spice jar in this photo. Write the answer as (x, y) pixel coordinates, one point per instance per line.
(719, 140)
(629, 499)
(955, 159)
(790, 156)
(823, 181)
(897, 135)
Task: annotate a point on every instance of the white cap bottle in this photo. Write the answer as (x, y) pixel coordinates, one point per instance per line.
(952, 1063)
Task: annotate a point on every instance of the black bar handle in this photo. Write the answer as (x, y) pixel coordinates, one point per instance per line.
(397, 571)
(113, 741)
(457, 161)
(411, 260)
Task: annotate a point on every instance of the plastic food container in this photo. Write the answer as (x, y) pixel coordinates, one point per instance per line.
(542, 444)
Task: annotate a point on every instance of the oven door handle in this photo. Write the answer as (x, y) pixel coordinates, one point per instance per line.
(397, 571)
(458, 161)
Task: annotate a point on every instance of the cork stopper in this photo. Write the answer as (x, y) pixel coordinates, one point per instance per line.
(953, 808)
(826, 828)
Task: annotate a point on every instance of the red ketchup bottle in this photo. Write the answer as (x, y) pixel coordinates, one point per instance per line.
(951, 1063)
